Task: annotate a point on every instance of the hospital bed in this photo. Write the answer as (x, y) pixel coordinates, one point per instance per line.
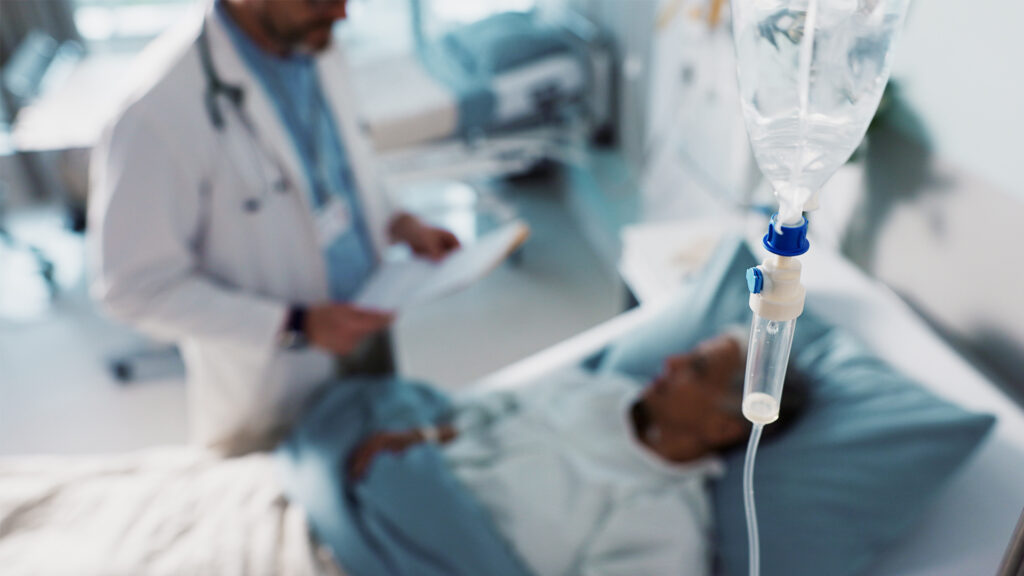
(492, 97)
(968, 528)
(178, 511)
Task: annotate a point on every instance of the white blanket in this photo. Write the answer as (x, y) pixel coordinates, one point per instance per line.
(159, 512)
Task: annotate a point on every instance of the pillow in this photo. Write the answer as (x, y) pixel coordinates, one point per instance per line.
(853, 474)
(718, 299)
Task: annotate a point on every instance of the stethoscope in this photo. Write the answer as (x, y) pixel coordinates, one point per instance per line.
(217, 88)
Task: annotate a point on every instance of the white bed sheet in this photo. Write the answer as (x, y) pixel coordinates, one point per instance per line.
(171, 511)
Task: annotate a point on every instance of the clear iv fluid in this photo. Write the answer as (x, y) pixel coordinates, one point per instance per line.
(798, 157)
(811, 74)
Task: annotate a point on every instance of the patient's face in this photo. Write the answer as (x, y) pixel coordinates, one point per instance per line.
(695, 396)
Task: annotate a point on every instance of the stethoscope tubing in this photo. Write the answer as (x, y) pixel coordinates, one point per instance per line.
(218, 90)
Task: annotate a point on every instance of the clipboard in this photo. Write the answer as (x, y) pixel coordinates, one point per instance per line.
(398, 285)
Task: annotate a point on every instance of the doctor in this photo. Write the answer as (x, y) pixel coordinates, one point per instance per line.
(234, 211)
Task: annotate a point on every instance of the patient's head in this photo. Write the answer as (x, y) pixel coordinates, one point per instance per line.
(693, 408)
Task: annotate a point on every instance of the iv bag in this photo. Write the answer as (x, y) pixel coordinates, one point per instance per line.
(811, 74)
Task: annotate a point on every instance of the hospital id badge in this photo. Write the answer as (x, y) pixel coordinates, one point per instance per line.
(333, 221)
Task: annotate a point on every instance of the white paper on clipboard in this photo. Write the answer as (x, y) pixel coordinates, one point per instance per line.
(398, 285)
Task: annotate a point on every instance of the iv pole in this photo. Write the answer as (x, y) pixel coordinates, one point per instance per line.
(1013, 561)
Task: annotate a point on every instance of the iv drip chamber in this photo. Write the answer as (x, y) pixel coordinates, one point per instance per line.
(777, 300)
(767, 358)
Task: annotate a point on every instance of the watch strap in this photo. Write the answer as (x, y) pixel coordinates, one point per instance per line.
(293, 336)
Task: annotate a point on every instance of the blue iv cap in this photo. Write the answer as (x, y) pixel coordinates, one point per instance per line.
(791, 242)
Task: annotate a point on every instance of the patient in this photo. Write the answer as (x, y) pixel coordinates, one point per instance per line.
(595, 474)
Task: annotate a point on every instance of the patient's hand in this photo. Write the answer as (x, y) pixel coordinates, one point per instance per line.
(362, 457)
(395, 442)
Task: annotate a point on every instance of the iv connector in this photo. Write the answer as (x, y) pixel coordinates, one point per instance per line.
(775, 289)
(778, 295)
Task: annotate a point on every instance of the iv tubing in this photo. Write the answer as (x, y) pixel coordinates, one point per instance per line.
(806, 55)
(748, 501)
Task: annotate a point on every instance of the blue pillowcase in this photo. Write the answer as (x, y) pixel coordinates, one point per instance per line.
(853, 474)
(718, 299)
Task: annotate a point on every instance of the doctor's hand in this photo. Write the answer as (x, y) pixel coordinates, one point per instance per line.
(339, 328)
(427, 241)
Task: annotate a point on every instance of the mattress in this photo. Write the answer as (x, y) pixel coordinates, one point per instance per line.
(402, 102)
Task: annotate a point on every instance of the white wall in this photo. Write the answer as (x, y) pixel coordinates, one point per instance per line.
(630, 24)
(913, 210)
(960, 64)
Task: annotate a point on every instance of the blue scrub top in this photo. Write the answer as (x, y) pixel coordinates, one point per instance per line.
(293, 85)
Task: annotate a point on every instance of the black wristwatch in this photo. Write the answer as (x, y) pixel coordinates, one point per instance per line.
(293, 335)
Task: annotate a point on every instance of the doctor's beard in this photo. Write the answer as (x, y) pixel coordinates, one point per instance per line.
(304, 38)
(316, 39)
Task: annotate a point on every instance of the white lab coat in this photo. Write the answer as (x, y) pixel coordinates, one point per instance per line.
(178, 256)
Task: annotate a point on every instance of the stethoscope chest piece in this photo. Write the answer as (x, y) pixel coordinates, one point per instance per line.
(251, 205)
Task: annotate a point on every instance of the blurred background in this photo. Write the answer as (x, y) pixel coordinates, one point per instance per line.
(627, 120)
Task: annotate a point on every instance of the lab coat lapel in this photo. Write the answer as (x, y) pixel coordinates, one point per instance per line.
(334, 77)
(257, 105)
